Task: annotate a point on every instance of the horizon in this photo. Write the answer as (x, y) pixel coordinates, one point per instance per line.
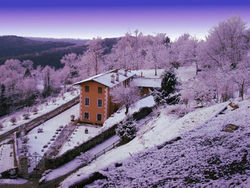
(89, 19)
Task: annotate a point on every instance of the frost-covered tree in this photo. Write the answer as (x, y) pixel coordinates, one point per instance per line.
(71, 64)
(125, 96)
(95, 53)
(184, 51)
(226, 45)
(126, 129)
(157, 54)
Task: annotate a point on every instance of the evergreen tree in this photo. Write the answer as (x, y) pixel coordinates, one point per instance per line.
(126, 130)
(169, 91)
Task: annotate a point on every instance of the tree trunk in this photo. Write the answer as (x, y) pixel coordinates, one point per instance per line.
(241, 92)
(127, 107)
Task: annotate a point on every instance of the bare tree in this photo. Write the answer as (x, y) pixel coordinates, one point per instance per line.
(125, 96)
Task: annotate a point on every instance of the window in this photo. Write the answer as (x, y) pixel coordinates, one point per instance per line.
(86, 88)
(99, 90)
(86, 102)
(99, 117)
(86, 115)
(99, 102)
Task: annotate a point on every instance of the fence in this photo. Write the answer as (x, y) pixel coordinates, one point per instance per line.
(106, 149)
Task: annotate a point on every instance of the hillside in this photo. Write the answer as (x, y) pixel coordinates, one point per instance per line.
(45, 51)
(195, 150)
(15, 46)
(213, 154)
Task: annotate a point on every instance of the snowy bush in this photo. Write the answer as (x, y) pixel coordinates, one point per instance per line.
(13, 120)
(126, 130)
(72, 117)
(40, 130)
(179, 110)
(85, 157)
(35, 110)
(25, 139)
(26, 116)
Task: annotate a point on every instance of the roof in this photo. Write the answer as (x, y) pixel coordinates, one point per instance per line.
(105, 78)
(147, 82)
(149, 73)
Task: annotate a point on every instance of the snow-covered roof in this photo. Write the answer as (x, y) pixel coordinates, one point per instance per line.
(147, 82)
(105, 78)
(149, 73)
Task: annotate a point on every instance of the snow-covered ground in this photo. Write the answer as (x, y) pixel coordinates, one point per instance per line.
(42, 109)
(117, 117)
(207, 156)
(186, 73)
(78, 161)
(38, 143)
(149, 73)
(120, 114)
(6, 157)
(160, 129)
(79, 136)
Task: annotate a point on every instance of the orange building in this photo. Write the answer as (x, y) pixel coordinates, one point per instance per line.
(95, 101)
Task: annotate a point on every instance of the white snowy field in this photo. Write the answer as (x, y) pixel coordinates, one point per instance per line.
(42, 109)
(78, 161)
(120, 114)
(79, 136)
(215, 154)
(117, 117)
(50, 130)
(157, 131)
(6, 157)
(149, 73)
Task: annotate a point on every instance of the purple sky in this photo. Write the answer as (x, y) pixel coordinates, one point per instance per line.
(88, 19)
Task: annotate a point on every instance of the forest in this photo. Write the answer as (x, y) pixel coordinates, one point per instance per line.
(222, 62)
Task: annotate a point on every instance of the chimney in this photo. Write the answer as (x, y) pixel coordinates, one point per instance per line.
(113, 78)
(117, 77)
(126, 72)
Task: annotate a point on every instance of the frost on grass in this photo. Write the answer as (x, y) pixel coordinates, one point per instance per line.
(206, 156)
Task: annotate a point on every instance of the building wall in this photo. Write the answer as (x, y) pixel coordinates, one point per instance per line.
(93, 108)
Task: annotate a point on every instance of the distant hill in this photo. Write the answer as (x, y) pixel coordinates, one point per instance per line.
(75, 41)
(44, 52)
(15, 46)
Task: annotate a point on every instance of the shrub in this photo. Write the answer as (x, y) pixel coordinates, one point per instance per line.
(72, 118)
(1, 126)
(13, 120)
(126, 130)
(35, 110)
(26, 116)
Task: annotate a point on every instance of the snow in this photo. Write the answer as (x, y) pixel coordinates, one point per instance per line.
(203, 157)
(105, 78)
(155, 132)
(149, 73)
(78, 161)
(37, 140)
(42, 109)
(146, 82)
(120, 114)
(13, 181)
(79, 136)
(186, 73)
(6, 157)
